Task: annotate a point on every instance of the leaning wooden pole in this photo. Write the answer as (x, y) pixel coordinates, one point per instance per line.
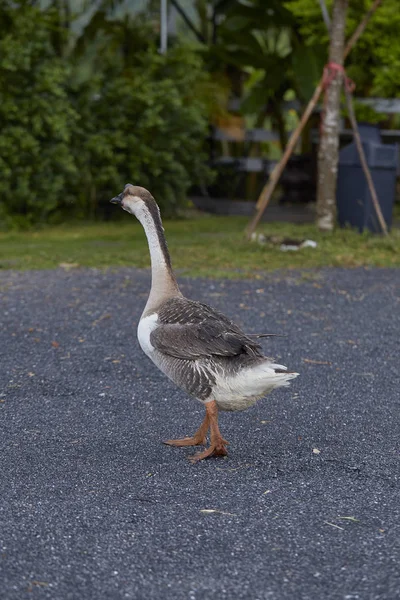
(364, 164)
(269, 188)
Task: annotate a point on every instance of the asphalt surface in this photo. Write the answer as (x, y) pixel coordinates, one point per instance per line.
(93, 506)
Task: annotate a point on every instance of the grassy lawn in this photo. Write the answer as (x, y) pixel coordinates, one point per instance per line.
(200, 246)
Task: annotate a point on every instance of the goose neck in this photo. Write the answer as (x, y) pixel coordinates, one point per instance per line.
(163, 281)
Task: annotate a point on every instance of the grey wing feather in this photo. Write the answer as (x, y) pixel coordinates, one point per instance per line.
(191, 330)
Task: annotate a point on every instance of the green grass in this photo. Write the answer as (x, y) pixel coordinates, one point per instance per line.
(202, 246)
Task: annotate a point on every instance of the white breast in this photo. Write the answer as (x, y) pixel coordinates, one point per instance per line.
(145, 327)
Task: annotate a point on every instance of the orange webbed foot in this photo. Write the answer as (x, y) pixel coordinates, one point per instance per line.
(218, 448)
(187, 441)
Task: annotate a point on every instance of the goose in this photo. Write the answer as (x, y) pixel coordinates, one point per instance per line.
(198, 348)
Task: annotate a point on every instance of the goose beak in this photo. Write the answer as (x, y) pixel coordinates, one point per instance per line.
(117, 200)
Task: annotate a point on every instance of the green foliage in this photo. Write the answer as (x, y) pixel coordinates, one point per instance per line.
(36, 117)
(76, 126)
(259, 45)
(374, 63)
(143, 123)
(367, 114)
(382, 42)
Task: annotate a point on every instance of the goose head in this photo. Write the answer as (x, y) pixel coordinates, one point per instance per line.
(133, 199)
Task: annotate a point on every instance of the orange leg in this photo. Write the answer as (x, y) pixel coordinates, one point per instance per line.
(217, 444)
(198, 439)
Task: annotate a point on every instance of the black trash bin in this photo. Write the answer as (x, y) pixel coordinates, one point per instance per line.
(354, 202)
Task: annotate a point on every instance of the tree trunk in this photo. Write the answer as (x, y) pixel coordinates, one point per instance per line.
(328, 153)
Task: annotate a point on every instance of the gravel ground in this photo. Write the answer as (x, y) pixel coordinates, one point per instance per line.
(93, 506)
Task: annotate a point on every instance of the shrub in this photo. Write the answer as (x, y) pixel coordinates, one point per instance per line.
(74, 129)
(36, 117)
(143, 124)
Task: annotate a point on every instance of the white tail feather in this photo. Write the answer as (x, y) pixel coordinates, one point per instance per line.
(249, 385)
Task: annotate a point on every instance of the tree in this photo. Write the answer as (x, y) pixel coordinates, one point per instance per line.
(328, 153)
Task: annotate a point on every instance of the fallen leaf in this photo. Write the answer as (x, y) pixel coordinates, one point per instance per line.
(316, 451)
(30, 374)
(208, 511)
(333, 525)
(55, 344)
(316, 362)
(37, 584)
(97, 321)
